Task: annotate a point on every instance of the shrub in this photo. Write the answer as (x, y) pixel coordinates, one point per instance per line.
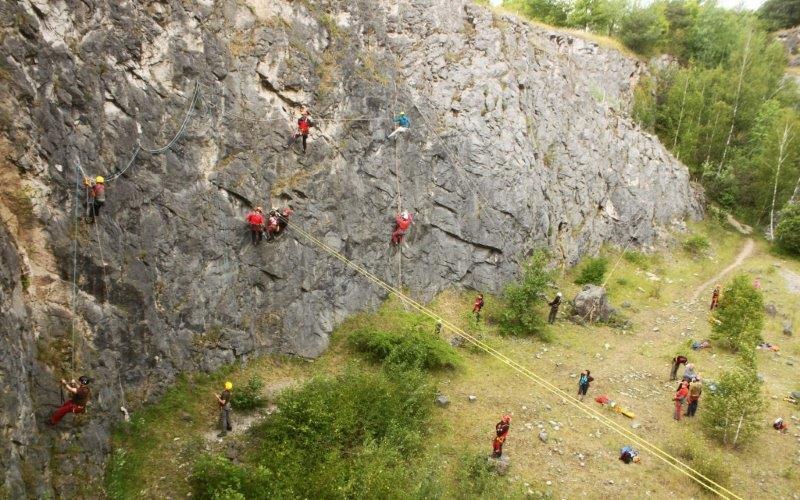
(593, 271)
(248, 397)
(702, 458)
(520, 317)
(787, 233)
(410, 348)
(637, 258)
(740, 316)
(732, 413)
(696, 245)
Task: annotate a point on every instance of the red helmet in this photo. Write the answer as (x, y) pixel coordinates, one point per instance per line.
(507, 418)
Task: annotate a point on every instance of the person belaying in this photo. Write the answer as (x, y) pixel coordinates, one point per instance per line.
(402, 222)
(403, 123)
(304, 125)
(501, 432)
(554, 304)
(695, 390)
(77, 402)
(224, 401)
(715, 298)
(680, 398)
(97, 195)
(676, 362)
(255, 221)
(477, 306)
(583, 383)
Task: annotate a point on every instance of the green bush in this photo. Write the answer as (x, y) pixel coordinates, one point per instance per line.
(696, 245)
(639, 259)
(740, 316)
(593, 271)
(248, 397)
(787, 233)
(520, 317)
(411, 348)
(702, 457)
(357, 435)
(732, 413)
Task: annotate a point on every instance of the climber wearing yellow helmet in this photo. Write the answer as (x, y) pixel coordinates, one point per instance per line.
(224, 401)
(97, 192)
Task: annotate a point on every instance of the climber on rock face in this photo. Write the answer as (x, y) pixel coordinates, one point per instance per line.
(402, 222)
(255, 220)
(273, 225)
(283, 218)
(97, 195)
(304, 125)
(77, 403)
(403, 123)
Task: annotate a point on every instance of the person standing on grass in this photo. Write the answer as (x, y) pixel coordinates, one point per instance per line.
(676, 362)
(689, 375)
(501, 431)
(695, 390)
(583, 383)
(715, 297)
(224, 401)
(477, 306)
(554, 308)
(680, 398)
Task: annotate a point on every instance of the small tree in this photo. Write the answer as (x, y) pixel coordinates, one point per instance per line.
(593, 271)
(740, 316)
(787, 234)
(731, 414)
(520, 316)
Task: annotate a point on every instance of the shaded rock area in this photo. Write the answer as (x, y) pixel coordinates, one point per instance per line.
(520, 138)
(591, 304)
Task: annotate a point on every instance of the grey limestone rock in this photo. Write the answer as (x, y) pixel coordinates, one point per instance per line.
(591, 304)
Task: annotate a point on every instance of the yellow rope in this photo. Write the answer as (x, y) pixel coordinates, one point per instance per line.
(589, 411)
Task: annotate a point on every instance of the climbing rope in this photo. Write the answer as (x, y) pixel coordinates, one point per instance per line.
(662, 455)
(75, 260)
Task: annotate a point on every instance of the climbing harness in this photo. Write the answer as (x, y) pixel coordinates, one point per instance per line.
(566, 397)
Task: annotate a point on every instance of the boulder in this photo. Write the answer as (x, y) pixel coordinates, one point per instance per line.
(500, 464)
(591, 304)
(543, 437)
(771, 309)
(787, 328)
(442, 401)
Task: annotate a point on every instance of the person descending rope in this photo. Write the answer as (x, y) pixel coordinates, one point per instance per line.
(715, 298)
(403, 124)
(224, 401)
(77, 403)
(501, 431)
(255, 220)
(477, 306)
(676, 362)
(554, 308)
(304, 125)
(402, 222)
(97, 195)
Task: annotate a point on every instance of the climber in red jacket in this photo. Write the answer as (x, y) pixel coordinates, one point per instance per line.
(402, 222)
(304, 125)
(255, 220)
(501, 431)
(77, 403)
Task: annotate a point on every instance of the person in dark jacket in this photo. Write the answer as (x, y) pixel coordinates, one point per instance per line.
(583, 383)
(224, 401)
(676, 362)
(695, 390)
(556, 302)
(501, 432)
(75, 404)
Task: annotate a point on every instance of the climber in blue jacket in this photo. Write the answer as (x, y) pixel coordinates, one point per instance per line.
(403, 123)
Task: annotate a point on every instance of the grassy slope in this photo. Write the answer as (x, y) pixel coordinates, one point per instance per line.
(635, 363)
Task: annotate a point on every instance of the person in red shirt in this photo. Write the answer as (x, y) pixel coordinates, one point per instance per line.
(97, 196)
(676, 362)
(77, 403)
(255, 220)
(501, 431)
(402, 222)
(680, 398)
(304, 125)
(477, 306)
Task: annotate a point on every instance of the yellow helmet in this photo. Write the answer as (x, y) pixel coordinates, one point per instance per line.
(228, 386)
(99, 179)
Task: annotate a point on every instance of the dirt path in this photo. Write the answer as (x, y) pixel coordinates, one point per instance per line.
(743, 254)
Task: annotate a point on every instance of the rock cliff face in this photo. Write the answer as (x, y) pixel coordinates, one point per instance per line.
(520, 138)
